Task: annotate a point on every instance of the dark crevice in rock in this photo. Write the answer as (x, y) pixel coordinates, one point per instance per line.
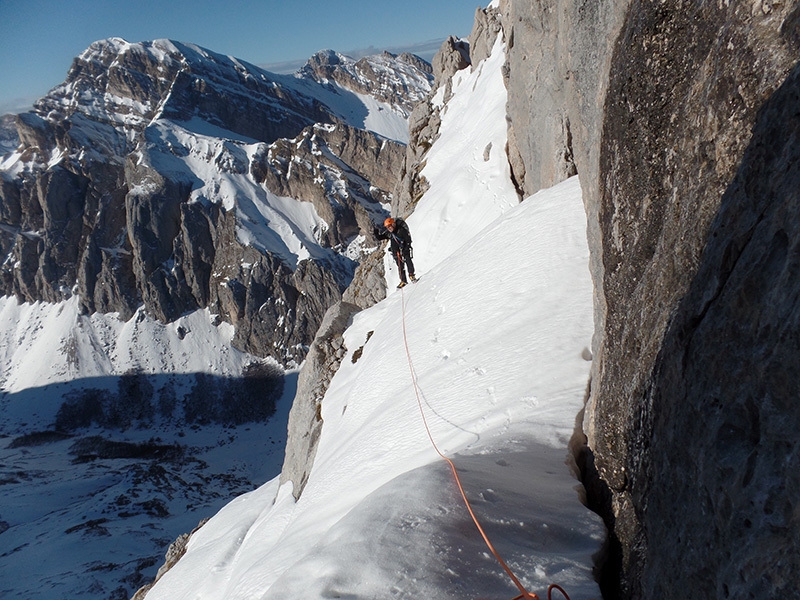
(598, 498)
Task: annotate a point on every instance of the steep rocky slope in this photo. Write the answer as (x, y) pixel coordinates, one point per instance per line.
(166, 175)
(678, 117)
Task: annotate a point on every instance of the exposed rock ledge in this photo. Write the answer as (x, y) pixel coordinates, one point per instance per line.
(305, 418)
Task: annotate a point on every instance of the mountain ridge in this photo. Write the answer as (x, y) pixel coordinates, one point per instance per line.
(148, 173)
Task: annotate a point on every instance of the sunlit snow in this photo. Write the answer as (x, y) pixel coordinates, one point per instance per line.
(498, 329)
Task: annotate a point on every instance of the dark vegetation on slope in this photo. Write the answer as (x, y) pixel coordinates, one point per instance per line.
(141, 399)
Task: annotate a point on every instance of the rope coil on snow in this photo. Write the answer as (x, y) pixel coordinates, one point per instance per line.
(525, 594)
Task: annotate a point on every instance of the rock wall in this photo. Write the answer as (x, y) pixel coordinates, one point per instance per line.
(677, 117)
(305, 418)
(100, 201)
(559, 55)
(719, 416)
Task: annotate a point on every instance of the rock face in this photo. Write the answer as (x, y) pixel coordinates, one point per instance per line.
(167, 175)
(721, 406)
(677, 118)
(557, 62)
(369, 283)
(399, 81)
(305, 418)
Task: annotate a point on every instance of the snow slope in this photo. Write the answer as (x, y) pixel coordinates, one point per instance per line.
(86, 526)
(467, 167)
(42, 344)
(67, 510)
(497, 329)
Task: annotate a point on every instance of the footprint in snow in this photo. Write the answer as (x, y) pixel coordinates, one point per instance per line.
(489, 496)
(492, 397)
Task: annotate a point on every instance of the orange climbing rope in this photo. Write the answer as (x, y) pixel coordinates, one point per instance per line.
(525, 594)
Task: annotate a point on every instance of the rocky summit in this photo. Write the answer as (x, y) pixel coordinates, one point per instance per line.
(401, 81)
(163, 175)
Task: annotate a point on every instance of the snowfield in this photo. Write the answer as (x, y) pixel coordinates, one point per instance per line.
(499, 362)
(498, 328)
(490, 349)
(42, 344)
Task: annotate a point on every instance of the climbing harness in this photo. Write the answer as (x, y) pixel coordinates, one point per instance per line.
(525, 594)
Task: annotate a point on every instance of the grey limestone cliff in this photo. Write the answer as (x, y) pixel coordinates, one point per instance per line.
(136, 180)
(305, 418)
(677, 117)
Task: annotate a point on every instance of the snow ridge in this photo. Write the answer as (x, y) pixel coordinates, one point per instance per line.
(498, 328)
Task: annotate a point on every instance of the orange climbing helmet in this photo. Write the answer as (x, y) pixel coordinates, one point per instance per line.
(389, 222)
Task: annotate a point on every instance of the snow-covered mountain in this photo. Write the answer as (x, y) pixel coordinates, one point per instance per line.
(490, 349)
(156, 220)
(166, 175)
(385, 79)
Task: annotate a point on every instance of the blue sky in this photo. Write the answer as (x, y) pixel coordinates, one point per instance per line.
(39, 39)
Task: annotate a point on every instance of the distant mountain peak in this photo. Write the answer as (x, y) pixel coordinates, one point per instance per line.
(130, 84)
(109, 169)
(398, 80)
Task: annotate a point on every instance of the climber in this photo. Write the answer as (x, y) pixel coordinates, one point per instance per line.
(400, 244)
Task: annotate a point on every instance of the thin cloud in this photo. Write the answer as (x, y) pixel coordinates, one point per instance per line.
(17, 105)
(425, 50)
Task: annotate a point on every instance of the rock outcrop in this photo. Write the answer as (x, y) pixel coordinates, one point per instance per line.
(174, 553)
(677, 119)
(369, 282)
(305, 418)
